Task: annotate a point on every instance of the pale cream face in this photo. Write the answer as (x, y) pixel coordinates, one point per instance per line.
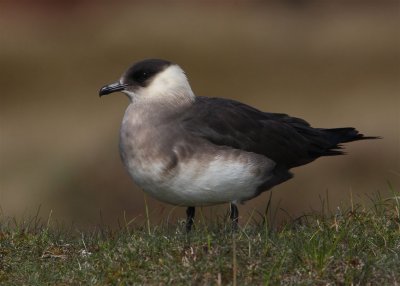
(167, 84)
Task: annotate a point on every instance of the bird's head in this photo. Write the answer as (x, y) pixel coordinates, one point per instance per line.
(152, 79)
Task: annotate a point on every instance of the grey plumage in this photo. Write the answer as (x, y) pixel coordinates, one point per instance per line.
(289, 141)
(191, 150)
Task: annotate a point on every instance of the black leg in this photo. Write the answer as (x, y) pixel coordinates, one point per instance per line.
(190, 211)
(234, 216)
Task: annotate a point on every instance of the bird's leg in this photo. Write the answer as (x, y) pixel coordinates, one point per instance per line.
(234, 216)
(190, 211)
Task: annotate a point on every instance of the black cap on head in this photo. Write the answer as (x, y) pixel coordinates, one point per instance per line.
(138, 75)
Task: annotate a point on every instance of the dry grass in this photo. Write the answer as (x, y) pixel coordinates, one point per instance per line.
(354, 246)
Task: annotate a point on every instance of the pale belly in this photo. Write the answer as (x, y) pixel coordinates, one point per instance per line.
(219, 178)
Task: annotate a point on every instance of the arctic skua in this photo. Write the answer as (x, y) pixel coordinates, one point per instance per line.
(191, 151)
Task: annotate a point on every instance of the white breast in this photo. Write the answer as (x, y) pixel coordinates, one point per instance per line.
(184, 170)
(216, 179)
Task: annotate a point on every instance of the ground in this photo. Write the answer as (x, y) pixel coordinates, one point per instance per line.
(356, 245)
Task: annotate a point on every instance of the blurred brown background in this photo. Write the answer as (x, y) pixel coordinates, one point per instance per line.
(334, 63)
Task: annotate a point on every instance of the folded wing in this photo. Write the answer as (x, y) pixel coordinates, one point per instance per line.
(289, 141)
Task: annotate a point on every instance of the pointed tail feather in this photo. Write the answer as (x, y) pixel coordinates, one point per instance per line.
(346, 134)
(336, 136)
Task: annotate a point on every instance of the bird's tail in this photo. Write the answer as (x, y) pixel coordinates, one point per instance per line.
(346, 134)
(342, 135)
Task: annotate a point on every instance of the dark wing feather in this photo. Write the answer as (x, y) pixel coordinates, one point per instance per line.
(289, 141)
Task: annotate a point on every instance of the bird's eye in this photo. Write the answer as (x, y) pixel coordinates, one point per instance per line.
(143, 76)
(140, 76)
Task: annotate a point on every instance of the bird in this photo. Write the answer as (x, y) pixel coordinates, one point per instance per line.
(192, 151)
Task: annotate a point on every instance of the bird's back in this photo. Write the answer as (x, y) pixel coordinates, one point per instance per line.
(289, 141)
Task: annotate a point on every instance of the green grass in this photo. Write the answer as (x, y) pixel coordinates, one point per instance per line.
(359, 245)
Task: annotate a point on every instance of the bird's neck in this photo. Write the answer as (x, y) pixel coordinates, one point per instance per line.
(144, 125)
(152, 111)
